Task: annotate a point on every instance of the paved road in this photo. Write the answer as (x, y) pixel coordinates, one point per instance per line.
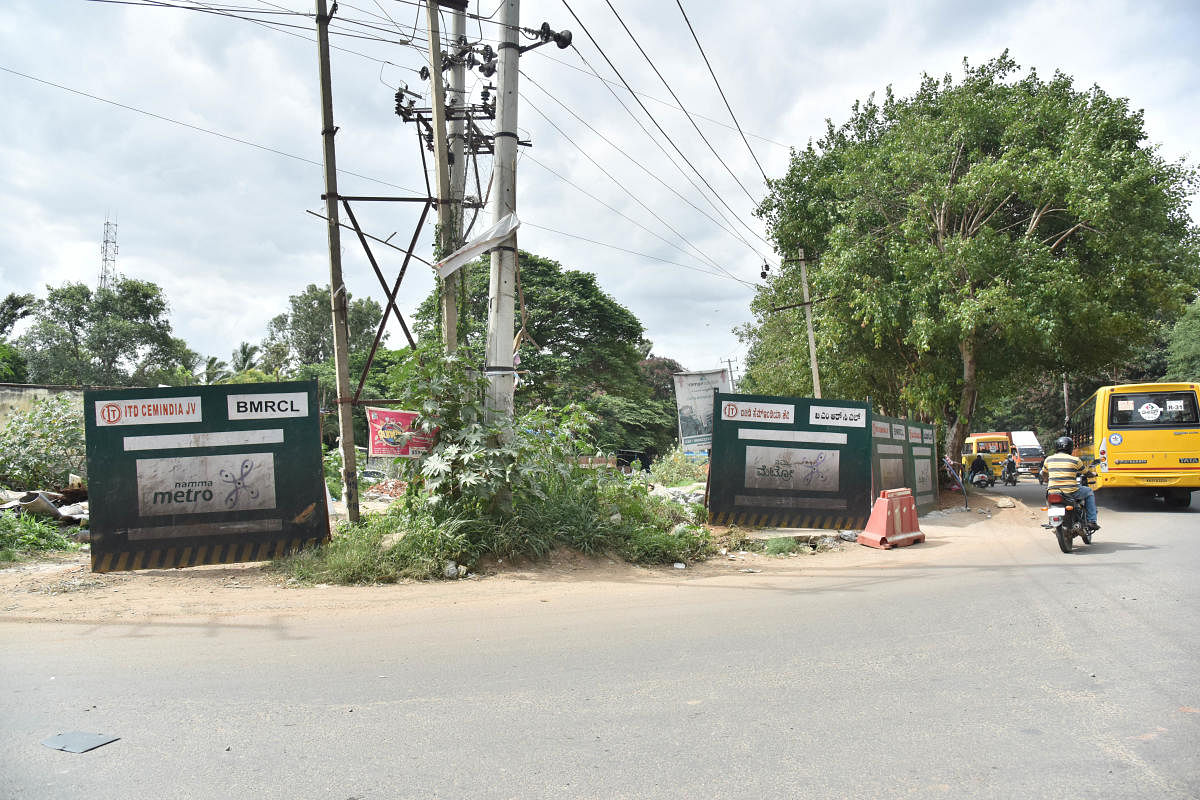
(983, 663)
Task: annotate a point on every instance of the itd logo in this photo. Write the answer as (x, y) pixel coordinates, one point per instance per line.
(110, 413)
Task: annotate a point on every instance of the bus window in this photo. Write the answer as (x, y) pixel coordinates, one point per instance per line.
(1152, 409)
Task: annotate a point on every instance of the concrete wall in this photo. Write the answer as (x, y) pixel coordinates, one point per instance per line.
(17, 398)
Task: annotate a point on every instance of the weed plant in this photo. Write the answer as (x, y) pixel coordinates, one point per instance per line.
(512, 489)
(676, 468)
(23, 535)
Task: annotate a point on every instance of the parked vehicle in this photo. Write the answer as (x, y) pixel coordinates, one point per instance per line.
(1067, 517)
(1147, 435)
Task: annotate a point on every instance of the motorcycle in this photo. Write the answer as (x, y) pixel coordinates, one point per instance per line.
(1008, 475)
(982, 480)
(1067, 516)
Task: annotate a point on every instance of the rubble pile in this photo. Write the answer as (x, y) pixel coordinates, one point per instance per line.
(68, 507)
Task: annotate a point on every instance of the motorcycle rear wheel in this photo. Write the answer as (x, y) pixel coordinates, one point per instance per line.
(1064, 538)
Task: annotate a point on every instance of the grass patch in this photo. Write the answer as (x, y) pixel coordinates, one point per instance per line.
(782, 546)
(22, 536)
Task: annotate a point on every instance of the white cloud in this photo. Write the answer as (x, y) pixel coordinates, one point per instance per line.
(221, 225)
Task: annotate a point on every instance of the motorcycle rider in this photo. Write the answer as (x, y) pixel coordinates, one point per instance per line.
(977, 466)
(1010, 467)
(1061, 471)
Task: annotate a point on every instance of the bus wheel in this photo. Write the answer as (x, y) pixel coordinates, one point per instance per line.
(1178, 498)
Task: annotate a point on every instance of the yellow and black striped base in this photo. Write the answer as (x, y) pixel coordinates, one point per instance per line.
(192, 556)
(777, 519)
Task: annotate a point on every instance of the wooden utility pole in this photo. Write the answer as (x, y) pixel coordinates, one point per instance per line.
(812, 342)
(337, 287)
(447, 238)
(499, 363)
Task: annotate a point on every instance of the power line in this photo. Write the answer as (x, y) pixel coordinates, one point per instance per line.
(627, 191)
(525, 224)
(699, 132)
(670, 141)
(218, 134)
(719, 223)
(583, 191)
(659, 100)
(732, 116)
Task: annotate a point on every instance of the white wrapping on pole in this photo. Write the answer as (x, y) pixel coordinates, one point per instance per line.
(471, 250)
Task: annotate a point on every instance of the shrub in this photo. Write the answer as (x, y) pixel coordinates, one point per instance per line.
(22, 535)
(500, 488)
(676, 468)
(41, 447)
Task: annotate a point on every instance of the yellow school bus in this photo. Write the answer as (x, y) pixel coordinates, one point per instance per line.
(994, 447)
(1148, 435)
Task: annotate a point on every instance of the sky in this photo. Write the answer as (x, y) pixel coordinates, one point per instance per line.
(198, 134)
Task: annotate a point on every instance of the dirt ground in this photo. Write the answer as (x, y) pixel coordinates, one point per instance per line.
(64, 588)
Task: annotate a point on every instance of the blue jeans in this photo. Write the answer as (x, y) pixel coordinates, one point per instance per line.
(1089, 501)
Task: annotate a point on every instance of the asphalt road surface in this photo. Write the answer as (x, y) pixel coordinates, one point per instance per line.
(982, 663)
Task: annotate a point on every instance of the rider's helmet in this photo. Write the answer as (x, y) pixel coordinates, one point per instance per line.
(1064, 444)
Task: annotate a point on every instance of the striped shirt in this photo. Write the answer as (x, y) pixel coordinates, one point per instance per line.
(1062, 469)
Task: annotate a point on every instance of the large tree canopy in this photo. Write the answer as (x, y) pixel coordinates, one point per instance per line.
(972, 237)
(103, 338)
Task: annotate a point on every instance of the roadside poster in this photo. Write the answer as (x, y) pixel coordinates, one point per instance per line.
(694, 403)
(387, 434)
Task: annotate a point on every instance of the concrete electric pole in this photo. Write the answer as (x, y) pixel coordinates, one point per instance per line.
(337, 286)
(447, 237)
(812, 341)
(498, 365)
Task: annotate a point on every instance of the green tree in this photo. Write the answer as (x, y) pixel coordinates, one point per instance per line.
(580, 346)
(244, 357)
(102, 337)
(215, 371)
(13, 309)
(1183, 356)
(974, 234)
(304, 334)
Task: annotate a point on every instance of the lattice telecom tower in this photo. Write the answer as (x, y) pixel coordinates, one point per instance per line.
(108, 255)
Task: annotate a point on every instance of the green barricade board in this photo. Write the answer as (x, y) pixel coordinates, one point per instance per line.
(890, 462)
(923, 466)
(790, 462)
(190, 475)
(903, 455)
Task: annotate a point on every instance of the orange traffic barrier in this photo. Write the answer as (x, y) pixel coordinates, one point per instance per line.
(893, 521)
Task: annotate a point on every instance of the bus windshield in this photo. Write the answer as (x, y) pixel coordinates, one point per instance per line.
(1152, 410)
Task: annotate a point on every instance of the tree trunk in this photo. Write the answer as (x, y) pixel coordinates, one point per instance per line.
(956, 432)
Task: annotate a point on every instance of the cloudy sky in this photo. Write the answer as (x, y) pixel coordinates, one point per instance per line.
(199, 134)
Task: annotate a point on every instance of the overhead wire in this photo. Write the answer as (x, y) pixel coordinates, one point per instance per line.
(208, 131)
(665, 135)
(197, 5)
(699, 132)
(591, 74)
(671, 160)
(729, 108)
(703, 256)
(616, 211)
(722, 224)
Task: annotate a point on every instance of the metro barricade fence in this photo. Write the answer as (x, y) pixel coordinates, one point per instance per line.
(182, 476)
(797, 462)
